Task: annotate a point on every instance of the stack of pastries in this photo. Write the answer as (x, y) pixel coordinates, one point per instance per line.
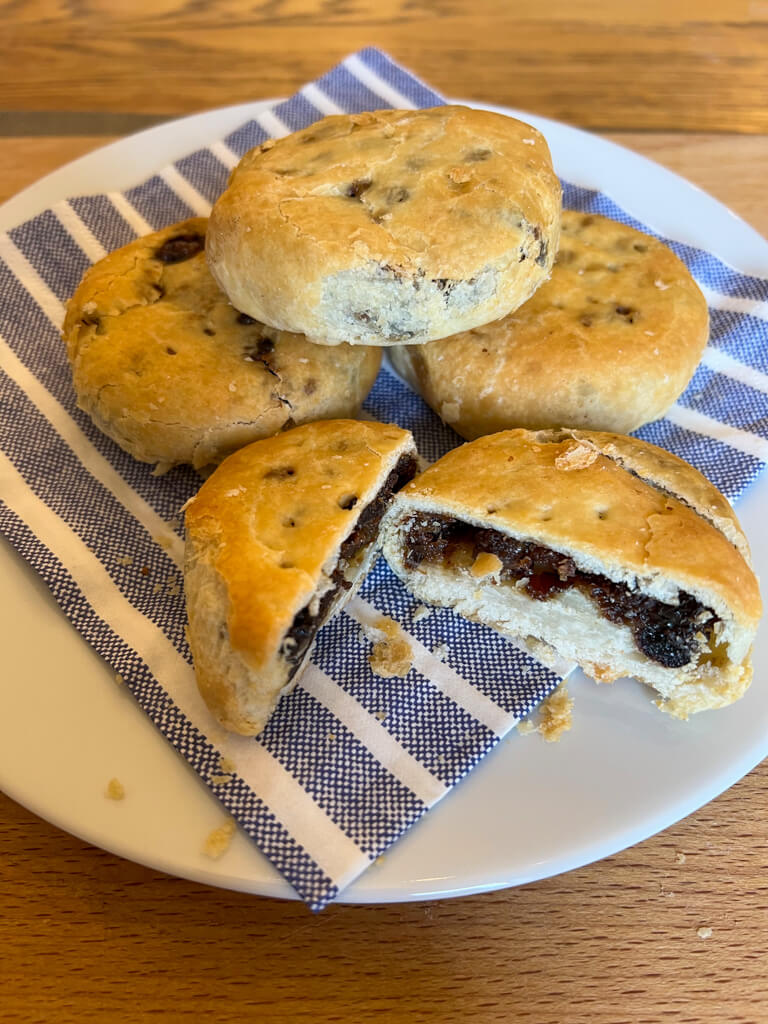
(541, 336)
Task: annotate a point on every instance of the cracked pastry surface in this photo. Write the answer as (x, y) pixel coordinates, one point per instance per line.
(392, 226)
(170, 370)
(278, 537)
(606, 551)
(607, 343)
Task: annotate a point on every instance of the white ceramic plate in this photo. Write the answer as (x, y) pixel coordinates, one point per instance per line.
(530, 810)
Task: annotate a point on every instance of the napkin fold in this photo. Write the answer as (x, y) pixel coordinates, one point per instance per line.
(349, 761)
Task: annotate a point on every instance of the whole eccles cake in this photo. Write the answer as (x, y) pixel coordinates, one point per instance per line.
(607, 343)
(170, 370)
(388, 227)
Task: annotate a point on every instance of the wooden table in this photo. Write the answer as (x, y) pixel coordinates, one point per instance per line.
(86, 936)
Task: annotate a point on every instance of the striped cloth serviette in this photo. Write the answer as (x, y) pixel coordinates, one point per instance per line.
(349, 761)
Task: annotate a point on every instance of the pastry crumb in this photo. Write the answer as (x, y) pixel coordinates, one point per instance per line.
(115, 790)
(220, 780)
(553, 716)
(125, 560)
(391, 655)
(680, 858)
(459, 175)
(601, 674)
(578, 455)
(440, 651)
(226, 765)
(119, 679)
(421, 612)
(218, 840)
(704, 932)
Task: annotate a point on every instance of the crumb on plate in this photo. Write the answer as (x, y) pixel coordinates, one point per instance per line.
(115, 790)
(552, 717)
(218, 840)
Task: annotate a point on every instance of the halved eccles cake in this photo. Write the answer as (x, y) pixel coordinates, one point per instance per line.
(589, 546)
(278, 538)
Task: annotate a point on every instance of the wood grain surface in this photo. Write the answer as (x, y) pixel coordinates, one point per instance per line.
(89, 937)
(674, 929)
(691, 65)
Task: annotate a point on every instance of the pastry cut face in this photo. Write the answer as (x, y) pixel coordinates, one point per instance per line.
(277, 539)
(592, 547)
(388, 227)
(168, 368)
(607, 343)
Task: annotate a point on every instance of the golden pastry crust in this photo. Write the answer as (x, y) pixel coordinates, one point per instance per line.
(398, 225)
(263, 537)
(669, 473)
(578, 493)
(608, 343)
(171, 371)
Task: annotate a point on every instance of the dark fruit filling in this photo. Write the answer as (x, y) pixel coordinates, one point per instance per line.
(665, 633)
(305, 624)
(180, 248)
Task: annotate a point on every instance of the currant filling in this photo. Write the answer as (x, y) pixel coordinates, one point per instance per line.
(305, 623)
(665, 633)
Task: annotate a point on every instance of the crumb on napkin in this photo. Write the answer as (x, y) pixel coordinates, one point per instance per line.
(391, 655)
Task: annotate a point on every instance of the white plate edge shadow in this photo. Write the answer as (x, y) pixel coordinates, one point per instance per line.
(164, 819)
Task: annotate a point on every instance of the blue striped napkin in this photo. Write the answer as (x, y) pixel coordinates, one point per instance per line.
(349, 761)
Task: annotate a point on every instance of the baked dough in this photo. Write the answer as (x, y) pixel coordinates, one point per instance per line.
(277, 539)
(593, 547)
(608, 343)
(171, 371)
(386, 227)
